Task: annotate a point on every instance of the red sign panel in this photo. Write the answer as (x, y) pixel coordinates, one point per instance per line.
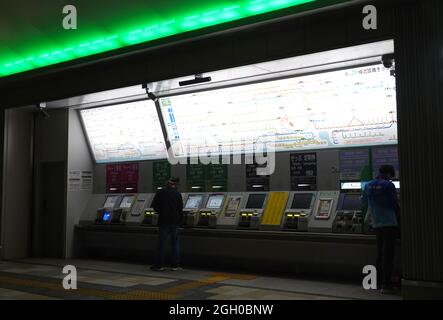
(122, 178)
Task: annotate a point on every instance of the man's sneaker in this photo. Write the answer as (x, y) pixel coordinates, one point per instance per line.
(157, 268)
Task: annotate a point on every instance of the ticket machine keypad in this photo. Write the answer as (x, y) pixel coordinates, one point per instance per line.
(348, 222)
(295, 221)
(250, 220)
(189, 218)
(150, 218)
(207, 219)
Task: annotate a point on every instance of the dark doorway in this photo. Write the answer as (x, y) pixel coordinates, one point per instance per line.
(49, 218)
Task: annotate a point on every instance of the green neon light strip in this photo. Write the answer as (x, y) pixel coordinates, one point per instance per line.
(148, 33)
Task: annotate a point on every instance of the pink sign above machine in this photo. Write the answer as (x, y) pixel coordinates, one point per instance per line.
(122, 178)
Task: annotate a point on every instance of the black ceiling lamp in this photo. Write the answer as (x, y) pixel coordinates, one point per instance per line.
(198, 78)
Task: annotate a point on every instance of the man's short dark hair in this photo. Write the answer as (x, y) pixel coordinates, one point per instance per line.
(387, 170)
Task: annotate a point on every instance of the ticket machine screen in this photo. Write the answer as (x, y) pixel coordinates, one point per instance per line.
(256, 201)
(106, 216)
(215, 201)
(110, 202)
(301, 201)
(127, 202)
(351, 202)
(194, 202)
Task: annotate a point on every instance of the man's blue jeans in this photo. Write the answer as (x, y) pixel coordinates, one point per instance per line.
(166, 231)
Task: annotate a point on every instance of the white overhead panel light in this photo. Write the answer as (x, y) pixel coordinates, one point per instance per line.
(124, 132)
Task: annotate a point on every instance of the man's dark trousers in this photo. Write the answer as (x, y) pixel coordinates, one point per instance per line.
(166, 231)
(385, 253)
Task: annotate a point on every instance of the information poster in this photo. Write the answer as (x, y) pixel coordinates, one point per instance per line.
(386, 155)
(303, 167)
(232, 206)
(80, 180)
(74, 180)
(86, 180)
(254, 182)
(122, 178)
(352, 163)
(161, 172)
(324, 209)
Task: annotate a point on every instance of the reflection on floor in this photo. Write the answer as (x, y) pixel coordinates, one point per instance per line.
(31, 279)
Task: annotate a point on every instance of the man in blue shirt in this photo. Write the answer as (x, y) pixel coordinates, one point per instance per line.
(380, 200)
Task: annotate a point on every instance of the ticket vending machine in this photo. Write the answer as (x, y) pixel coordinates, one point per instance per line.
(298, 210)
(207, 217)
(228, 217)
(322, 218)
(105, 213)
(349, 217)
(135, 215)
(193, 204)
(120, 213)
(251, 213)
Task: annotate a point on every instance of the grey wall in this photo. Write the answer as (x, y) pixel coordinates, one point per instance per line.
(17, 184)
(78, 159)
(419, 74)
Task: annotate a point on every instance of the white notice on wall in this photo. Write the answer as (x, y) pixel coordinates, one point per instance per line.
(86, 180)
(74, 180)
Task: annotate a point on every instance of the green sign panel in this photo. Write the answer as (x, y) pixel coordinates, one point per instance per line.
(196, 178)
(217, 177)
(206, 178)
(161, 172)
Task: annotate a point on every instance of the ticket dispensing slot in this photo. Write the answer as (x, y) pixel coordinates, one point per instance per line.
(349, 217)
(105, 214)
(299, 208)
(190, 211)
(208, 216)
(250, 216)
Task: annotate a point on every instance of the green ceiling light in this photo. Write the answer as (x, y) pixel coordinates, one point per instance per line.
(149, 32)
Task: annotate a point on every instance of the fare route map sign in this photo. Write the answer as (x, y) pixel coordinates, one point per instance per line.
(345, 108)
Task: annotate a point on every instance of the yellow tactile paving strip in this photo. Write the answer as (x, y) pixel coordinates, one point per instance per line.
(194, 285)
(86, 292)
(55, 287)
(235, 276)
(171, 293)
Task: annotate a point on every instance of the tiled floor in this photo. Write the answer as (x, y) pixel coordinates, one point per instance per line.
(34, 279)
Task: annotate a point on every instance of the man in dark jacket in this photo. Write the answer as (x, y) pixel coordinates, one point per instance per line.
(168, 204)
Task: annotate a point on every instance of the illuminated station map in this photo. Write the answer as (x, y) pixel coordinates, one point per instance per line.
(123, 132)
(345, 108)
